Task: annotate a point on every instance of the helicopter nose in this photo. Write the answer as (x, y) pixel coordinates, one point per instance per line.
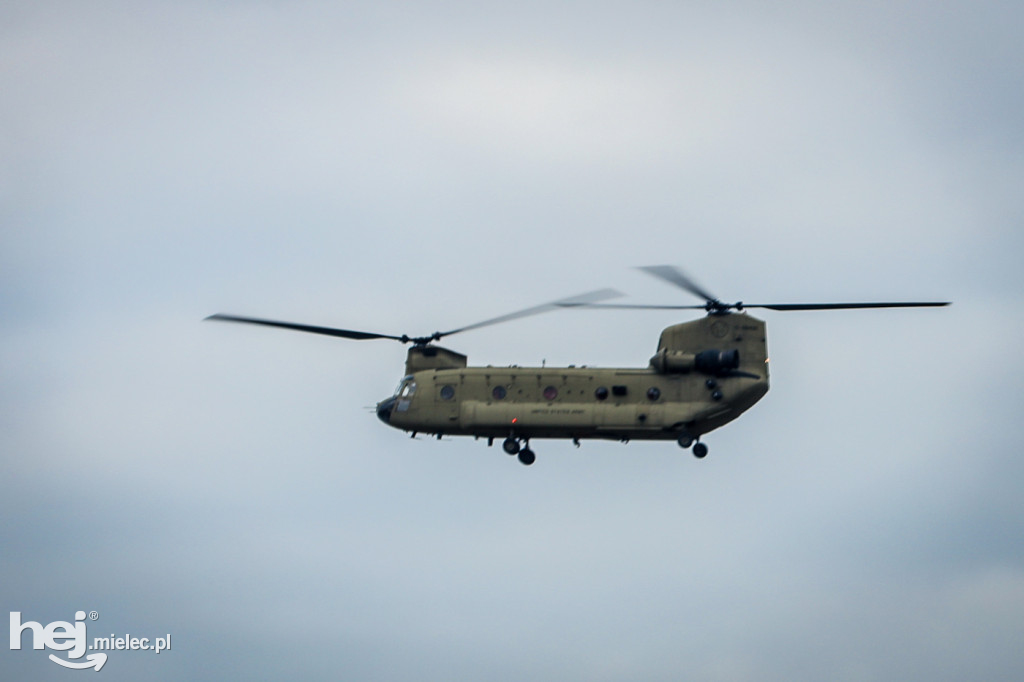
(384, 408)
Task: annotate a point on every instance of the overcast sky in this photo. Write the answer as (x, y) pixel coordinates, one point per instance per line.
(396, 168)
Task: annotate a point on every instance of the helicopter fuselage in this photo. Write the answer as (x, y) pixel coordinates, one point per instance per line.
(705, 374)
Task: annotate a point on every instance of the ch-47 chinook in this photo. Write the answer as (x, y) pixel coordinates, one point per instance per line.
(705, 374)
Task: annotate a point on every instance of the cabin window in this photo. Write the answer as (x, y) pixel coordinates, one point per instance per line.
(447, 392)
(601, 393)
(499, 393)
(653, 393)
(619, 390)
(550, 393)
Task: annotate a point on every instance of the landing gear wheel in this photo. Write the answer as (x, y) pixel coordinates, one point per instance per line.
(685, 440)
(510, 445)
(527, 457)
(700, 450)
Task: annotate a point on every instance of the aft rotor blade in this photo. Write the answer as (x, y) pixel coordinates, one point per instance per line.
(777, 306)
(638, 306)
(326, 331)
(674, 275)
(847, 306)
(584, 299)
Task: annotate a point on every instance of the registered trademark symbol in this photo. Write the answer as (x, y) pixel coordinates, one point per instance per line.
(93, 615)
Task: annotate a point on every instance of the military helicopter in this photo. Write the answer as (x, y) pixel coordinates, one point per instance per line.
(705, 374)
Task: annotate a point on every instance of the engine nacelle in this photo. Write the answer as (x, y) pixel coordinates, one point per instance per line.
(717, 361)
(712, 361)
(673, 362)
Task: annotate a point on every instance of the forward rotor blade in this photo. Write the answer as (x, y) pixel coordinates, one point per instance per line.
(674, 275)
(327, 331)
(580, 300)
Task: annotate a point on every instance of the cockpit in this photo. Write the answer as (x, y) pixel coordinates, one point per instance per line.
(399, 402)
(406, 387)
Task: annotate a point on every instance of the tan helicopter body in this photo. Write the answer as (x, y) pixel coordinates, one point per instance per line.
(704, 374)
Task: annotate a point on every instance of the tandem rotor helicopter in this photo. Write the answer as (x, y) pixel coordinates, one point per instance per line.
(705, 374)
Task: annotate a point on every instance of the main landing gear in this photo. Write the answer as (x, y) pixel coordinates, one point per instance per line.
(685, 440)
(526, 455)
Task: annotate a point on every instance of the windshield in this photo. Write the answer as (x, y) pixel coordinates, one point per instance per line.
(406, 387)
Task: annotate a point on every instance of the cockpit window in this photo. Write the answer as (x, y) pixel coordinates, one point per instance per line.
(404, 385)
